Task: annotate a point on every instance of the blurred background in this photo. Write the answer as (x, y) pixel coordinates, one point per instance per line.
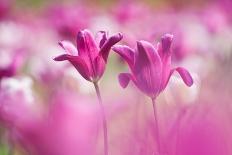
(47, 108)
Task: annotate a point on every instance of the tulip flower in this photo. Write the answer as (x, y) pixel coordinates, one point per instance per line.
(90, 58)
(150, 69)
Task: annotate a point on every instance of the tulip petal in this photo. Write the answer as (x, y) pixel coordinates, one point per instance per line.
(68, 47)
(164, 48)
(86, 45)
(124, 79)
(148, 69)
(148, 57)
(126, 53)
(185, 75)
(62, 57)
(148, 54)
(101, 38)
(99, 65)
(81, 67)
(108, 44)
(77, 62)
(166, 42)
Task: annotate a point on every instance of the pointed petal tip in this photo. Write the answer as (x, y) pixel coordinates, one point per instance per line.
(68, 47)
(126, 53)
(139, 43)
(57, 58)
(62, 57)
(146, 46)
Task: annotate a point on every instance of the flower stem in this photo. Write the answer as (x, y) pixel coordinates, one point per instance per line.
(156, 125)
(104, 124)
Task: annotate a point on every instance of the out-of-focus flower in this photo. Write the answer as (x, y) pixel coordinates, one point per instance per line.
(126, 11)
(11, 68)
(197, 133)
(226, 6)
(150, 66)
(68, 128)
(68, 20)
(91, 55)
(16, 101)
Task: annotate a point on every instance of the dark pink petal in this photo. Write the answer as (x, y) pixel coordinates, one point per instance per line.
(99, 65)
(108, 44)
(147, 56)
(143, 55)
(101, 38)
(126, 53)
(68, 47)
(78, 63)
(185, 75)
(62, 57)
(86, 45)
(166, 41)
(124, 79)
(164, 48)
(147, 53)
(81, 67)
(148, 69)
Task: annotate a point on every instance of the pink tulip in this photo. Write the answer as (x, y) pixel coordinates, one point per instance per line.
(150, 67)
(90, 56)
